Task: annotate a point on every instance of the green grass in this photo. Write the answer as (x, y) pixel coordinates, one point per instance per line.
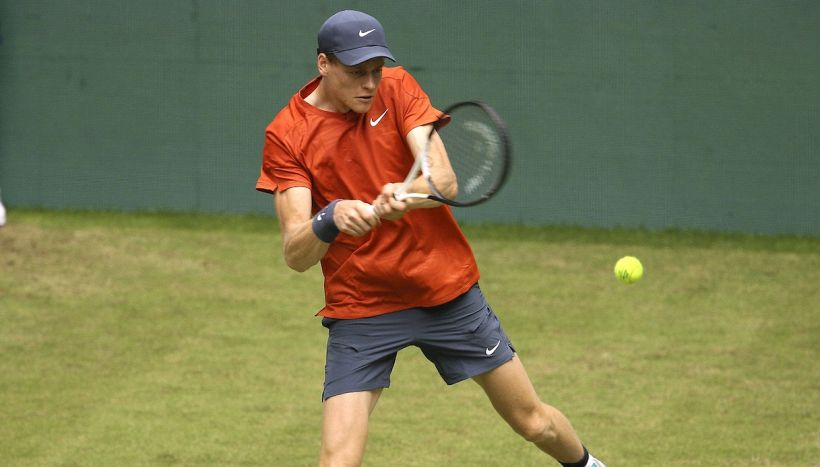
(160, 339)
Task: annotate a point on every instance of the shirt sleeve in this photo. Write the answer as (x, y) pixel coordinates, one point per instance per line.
(416, 106)
(281, 166)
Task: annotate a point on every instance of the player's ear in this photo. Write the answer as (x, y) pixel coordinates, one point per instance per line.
(323, 62)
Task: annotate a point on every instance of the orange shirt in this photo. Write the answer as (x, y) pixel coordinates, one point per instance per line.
(420, 260)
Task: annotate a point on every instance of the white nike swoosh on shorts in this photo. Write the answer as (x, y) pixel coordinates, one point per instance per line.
(492, 351)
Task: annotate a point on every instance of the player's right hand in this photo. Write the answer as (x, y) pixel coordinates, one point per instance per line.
(387, 206)
(354, 217)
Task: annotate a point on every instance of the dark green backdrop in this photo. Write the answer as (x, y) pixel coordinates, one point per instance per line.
(683, 114)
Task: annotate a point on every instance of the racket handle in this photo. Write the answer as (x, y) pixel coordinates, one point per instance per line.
(406, 196)
(372, 209)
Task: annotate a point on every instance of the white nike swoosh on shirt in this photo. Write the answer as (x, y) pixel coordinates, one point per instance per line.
(376, 121)
(362, 34)
(492, 351)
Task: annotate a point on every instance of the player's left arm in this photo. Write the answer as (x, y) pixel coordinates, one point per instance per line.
(441, 171)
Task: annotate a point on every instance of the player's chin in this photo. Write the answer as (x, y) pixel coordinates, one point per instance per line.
(361, 104)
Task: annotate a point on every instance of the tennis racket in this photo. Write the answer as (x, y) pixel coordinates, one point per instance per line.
(477, 152)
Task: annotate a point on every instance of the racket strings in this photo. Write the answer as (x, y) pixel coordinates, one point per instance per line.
(476, 153)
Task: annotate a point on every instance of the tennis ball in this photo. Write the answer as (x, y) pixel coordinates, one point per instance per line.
(628, 270)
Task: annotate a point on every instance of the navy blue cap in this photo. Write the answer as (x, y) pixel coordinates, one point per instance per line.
(353, 37)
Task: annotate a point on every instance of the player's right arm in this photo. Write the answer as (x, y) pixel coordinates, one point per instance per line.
(301, 247)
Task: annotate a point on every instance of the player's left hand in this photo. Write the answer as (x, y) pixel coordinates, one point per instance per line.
(386, 206)
(354, 217)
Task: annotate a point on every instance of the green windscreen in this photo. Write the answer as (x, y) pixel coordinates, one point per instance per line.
(657, 114)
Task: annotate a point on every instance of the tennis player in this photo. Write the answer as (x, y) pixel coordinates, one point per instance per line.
(406, 276)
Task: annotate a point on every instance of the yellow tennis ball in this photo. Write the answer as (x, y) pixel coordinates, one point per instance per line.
(628, 270)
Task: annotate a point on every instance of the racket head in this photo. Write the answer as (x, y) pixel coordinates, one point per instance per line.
(479, 151)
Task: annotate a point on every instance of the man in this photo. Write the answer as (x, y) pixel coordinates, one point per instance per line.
(399, 273)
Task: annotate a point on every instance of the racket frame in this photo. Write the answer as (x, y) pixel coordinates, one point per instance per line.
(421, 165)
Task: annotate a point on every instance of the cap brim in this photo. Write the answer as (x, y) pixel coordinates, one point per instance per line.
(362, 54)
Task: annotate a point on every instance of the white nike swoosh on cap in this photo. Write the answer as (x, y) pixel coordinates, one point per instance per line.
(376, 121)
(362, 34)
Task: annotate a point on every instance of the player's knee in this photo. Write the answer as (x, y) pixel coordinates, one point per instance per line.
(340, 455)
(537, 426)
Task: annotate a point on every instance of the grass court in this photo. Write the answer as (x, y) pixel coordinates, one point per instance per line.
(184, 340)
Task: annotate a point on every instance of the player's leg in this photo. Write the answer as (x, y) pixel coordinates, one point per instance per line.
(513, 396)
(344, 427)
(360, 357)
(464, 339)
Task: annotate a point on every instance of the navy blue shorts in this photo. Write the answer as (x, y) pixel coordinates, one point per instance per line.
(463, 338)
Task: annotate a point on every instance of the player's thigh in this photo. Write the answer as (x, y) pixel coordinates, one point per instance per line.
(361, 354)
(510, 390)
(464, 338)
(349, 409)
(344, 427)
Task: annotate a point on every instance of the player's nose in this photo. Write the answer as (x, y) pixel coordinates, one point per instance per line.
(370, 82)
